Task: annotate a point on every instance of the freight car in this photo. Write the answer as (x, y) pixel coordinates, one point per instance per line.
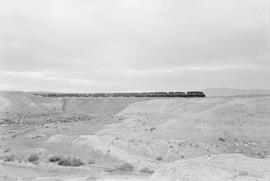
(195, 94)
(177, 94)
(131, 94)
(160, 94)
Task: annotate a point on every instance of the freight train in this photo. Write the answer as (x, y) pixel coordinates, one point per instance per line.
(132, 94)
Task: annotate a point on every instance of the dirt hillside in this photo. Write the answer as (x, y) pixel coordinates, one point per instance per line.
(219, 167)
(184, 128)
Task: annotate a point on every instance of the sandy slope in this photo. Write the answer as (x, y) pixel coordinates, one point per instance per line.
(222, 167)
(26, 103)
(217, 167)
(21, 105)
(229, 167)
(98, 105)
(177, 128)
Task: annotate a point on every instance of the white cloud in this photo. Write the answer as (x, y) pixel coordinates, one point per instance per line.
(46, 76)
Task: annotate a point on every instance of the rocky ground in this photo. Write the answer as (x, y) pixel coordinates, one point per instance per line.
(217, 138)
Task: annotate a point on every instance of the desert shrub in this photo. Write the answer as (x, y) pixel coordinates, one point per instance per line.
(8, 158)
(92, 178)
(7, 150)
(146, 170)
(243, 173)
(124, 168)
(221, 139)
(152, 129)
(262, 154)
(33, 158)
(159, 158)
(110, 170)
(55, 158)
(73, 162)
(91, 162)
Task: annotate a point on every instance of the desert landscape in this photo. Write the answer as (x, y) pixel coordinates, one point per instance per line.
(134, 90)
(134, 138)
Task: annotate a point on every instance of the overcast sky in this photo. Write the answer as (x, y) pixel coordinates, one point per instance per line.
(134, 45)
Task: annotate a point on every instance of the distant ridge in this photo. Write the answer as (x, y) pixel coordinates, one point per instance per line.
(212, 92)
(127, 94)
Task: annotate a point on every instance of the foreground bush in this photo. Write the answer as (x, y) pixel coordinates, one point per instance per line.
(262, 154)
(159, 158)
(56, 158)
(146, 170)
(8, 158)
(125, 168)
(33, 158)
(91, 162)
(73, 162)
(222, 139)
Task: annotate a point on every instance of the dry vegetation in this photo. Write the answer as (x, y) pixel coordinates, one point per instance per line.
(146, 170)
(71, 162)
(33, 157)
(56, 158)
(122, 169)
(8, 158)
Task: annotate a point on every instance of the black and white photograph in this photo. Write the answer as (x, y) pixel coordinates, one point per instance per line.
(134, 90)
